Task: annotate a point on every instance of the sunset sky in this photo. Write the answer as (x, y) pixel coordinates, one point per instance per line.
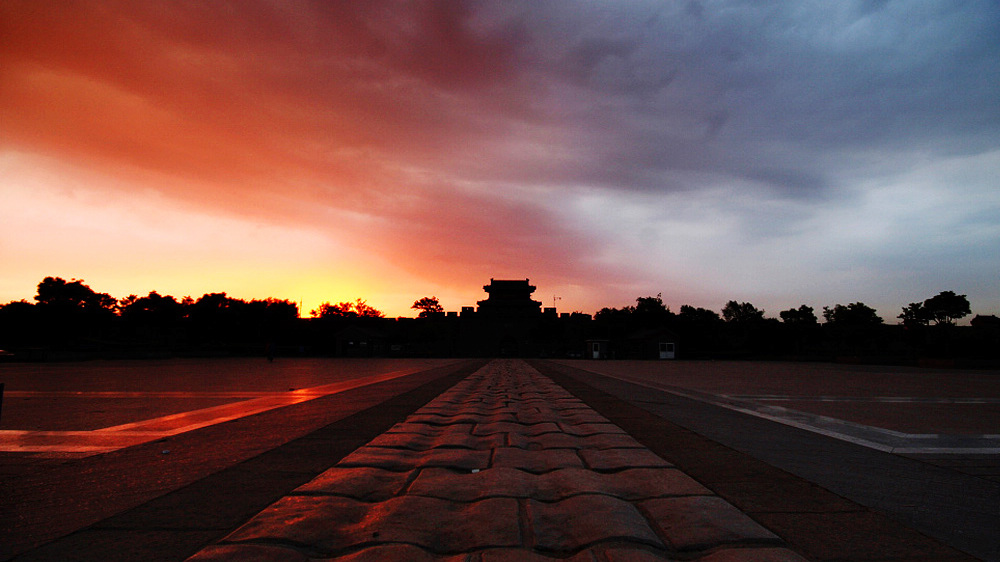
(781, 153)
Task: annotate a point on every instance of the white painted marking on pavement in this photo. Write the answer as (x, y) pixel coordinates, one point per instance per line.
(878, 438)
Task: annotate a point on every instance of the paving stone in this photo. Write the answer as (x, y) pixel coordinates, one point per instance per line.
(404, 459)
(618, 459)
(571, 403)
(519, 428)
(702, 522)
(360, 483)
(582, 416)
(564, 441)
(248, 553)
(400, 553)
(590, 428)
(454, 408)
(468, 487)
(536, 461)
(753, 555)
(632, 555)
(534, 416)
(632, 484)
(332, 524)
(464, 417)
(577, 522)
(545, 441)
(727, 555)
(427, 429)
(418, 442)
(525, 555)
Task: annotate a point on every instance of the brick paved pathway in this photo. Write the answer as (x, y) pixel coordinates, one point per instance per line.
(505, 465)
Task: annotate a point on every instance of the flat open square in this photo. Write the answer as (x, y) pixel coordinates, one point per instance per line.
(154, 439)
(901, 399)
(95, 406)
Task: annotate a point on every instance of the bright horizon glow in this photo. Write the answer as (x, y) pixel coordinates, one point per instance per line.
(801, 153)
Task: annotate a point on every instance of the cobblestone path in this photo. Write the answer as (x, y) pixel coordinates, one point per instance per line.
(505, 465)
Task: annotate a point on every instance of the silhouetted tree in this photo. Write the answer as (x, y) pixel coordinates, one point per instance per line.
(153, 319)
(277, 310)
(802, 315)
(612, 323)
(268, 321)
(56, 292)
(609, 315)
(856, 314)
(853, 328)
(741, 313)
(798, 331)
(914, 315)
(365, 311)
(981, 322)
(151, 308)
(327, 310)
(650, 312)
(17, 307)
(211, 304)
(946, 307)
(699, 316)
(428, 306)
(356, 309)
(20, 325)
(700, 331)
(72, 314)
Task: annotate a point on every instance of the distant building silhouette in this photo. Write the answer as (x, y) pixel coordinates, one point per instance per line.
(507, 319)
(509, 299)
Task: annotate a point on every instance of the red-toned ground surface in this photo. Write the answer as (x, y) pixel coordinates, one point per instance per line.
(506, 440)
(860, 393)
(98, 394)
(958, 419)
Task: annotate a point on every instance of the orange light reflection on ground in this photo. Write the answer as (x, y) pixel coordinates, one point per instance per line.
(129, 434)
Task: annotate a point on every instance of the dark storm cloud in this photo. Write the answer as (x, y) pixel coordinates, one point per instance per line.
(784, 94)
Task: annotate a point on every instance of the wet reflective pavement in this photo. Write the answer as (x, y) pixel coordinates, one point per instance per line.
(81, 409)
(780, 466)
(467, 460)
(133, 433)
(91, 395)
(896, 399)
(505, 465)
(162, 500)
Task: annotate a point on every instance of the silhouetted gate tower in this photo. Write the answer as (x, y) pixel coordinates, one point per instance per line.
(509, 299)
(506, 319)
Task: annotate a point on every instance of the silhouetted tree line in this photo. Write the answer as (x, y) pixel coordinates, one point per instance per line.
(68, 320)
(851, 332)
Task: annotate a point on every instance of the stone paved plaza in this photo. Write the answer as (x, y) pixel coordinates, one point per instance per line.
(324, 459)
(506, 465)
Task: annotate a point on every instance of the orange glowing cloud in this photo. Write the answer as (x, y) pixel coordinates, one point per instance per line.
(302, 119)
